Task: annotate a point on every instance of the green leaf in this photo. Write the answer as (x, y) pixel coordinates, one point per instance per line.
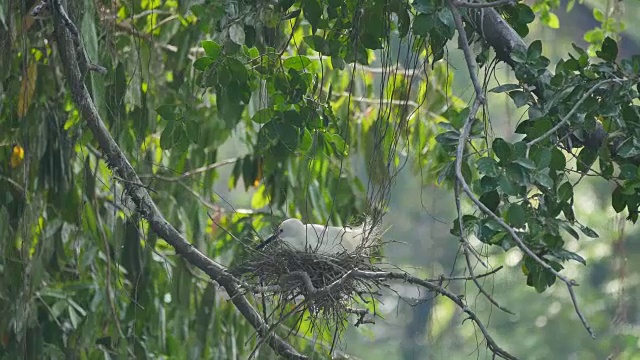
(552, 21)
(535, 50)
(558, 161)
(516, 216)
(618, 200)
(312, 12)
(589, 232)
(505, 88)
(337, 62)
(340, 146)
(542, 158)
(193, 130)
(491, 200)
(586, 158)
(211, 48)
(565, 192)
(519, 97)
(317, 43)
(307, 140)
(609, 50)
(263, 115)
(404, 22)
(237, 70)
(606, 167)
(526, 163)
(296, 62)
(168, 112)
(571, 231)
(507, 186)
(565, 255)
(267, 136)
(288, 135)
(518, 56)
(236, 34)
(502, 149)
(488, 166)
(446, 17)
(598, 14)
(628, 171)
(537, 276)
(249, 171)
(425, 6)
(422, 24)
(544, 180)
(203, 63)
(167, 136)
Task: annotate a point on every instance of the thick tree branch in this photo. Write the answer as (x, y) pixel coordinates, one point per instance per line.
(71, 56)
(505, 40)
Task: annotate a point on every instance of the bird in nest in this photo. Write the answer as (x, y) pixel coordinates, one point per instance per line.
(321, 239)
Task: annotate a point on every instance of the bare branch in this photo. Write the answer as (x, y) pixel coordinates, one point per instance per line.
(118, 163)
(493, 346)
(488, 273)
(192, 172)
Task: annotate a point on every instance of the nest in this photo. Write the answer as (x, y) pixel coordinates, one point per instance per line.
(323, 289)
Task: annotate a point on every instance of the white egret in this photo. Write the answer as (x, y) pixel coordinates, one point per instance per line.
(319, 238)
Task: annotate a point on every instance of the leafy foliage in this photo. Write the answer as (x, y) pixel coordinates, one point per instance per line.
(82, 274)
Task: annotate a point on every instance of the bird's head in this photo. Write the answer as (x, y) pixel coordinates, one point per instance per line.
(291, 228)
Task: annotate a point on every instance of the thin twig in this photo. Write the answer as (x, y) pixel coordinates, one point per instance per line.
(566, 118)
(493, 346)
(192, 172)
(479, 286)
(466, 246)
(488, 273)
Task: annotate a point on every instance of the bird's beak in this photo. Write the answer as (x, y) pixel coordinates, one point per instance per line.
(267, 242)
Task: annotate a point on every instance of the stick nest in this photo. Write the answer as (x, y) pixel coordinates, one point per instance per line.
(325, 287)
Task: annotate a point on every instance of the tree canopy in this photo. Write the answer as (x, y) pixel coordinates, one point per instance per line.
(148, 146)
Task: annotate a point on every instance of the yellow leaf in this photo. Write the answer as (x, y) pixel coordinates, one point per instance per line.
(256, 181)
(27, 88)
(17, 155)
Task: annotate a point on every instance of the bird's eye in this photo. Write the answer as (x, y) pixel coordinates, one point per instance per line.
(280, 230)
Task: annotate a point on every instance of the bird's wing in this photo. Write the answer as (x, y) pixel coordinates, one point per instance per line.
(330, 238)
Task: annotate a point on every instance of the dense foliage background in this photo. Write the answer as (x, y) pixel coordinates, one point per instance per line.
(236, 114)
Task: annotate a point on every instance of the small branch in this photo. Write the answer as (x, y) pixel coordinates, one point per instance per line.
(466, 246)
(480, 288)
(472, 5)
(128, 28)
(493, 346)
(134, 184)
(567, 117)
(468, 55)
(192, 172)
(488, 273)
(362, 313)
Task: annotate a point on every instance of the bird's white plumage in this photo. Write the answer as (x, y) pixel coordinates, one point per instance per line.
(322, 239)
